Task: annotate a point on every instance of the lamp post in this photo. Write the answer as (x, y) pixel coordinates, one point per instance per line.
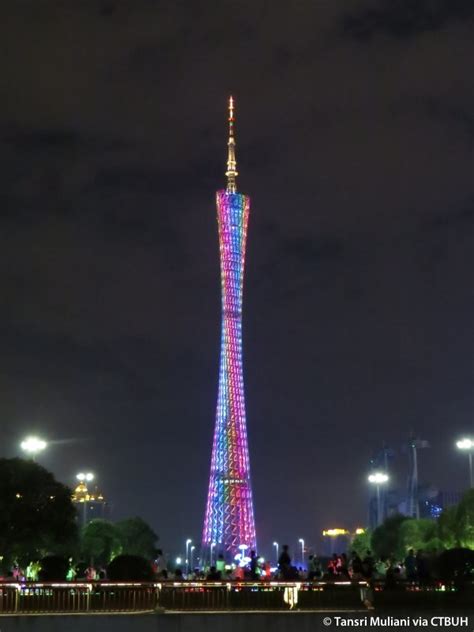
(213, 544)
(33, 446)
(188, 542)
(192, 558)
(301, 541)
(82, 477)
(377, 479)
(468, 446)
(277, 547)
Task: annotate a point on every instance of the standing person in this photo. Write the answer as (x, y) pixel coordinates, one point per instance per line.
(90, 573)
(368, 565)
(368, 572)
(71, 572)
(160, 562)
(410, 566)
(422, 570)
(267, 572)
(220, 565)
(344, 567)
(253, 565)
(35, 571)
(239, 573)
(311, 568)
(356, 567)
(333, 566)
(16, 571)
(284, 562)
(30, 573)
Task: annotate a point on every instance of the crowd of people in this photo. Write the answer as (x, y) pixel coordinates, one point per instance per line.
(32, 572)
(414, 568)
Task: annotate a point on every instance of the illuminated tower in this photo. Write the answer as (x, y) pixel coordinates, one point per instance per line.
(229, 521)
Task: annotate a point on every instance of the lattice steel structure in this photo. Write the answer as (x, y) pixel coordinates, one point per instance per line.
(229, 521)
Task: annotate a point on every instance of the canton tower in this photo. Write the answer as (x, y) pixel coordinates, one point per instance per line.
(229, 526)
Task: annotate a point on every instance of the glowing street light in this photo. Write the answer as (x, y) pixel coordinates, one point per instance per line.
(82, 478)
(178, 561)
(301, 541)
(468, 446)
(188, 542)
(33, 446)
(377, 479)
(192, 557)
(277, 547)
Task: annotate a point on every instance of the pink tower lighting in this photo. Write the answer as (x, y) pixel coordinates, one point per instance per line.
(229, 524)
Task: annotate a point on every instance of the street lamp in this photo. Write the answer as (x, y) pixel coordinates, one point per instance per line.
(81, 477)
(276, 545)
(377, 479)
(192, 558)
(33, 446)
(188, 542)
(301, 541)
(213, 544)
(468, 446)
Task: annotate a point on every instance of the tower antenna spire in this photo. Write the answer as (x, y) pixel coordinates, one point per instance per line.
(231, 172)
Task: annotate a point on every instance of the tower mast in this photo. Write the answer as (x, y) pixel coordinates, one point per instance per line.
(231, 172)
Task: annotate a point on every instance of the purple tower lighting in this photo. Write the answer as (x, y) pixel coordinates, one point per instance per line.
(229, 522)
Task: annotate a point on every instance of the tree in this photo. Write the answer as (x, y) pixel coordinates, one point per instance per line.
(137, 538)
(361, 543)
(100, 542)
(447, 527)
(37, 515)
(464, 524)
(419, 534)
(386, 538)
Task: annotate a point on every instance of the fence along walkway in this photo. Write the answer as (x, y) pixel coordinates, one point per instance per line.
(71, 597)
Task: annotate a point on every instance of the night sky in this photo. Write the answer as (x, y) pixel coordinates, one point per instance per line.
(355, 141)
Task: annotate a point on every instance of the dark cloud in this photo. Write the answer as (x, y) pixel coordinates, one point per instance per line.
(146, 180)
(447, 112)
(295, 265)
(460, 219)
(404, 19)
(311, 251)
(50, 139)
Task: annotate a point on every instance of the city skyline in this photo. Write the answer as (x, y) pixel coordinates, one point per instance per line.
(355, 142)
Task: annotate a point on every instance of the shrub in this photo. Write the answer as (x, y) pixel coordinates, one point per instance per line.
(456, 565)
(53, 568)
(130, 568)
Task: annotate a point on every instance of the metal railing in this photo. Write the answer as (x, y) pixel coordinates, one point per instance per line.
(71, 597)
(83, 597)
(77, 597)
(260, 595)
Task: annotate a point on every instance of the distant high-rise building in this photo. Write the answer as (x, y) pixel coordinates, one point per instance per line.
(229, 521)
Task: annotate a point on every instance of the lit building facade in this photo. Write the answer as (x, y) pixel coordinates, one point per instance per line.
(229, 524)
(89, 504)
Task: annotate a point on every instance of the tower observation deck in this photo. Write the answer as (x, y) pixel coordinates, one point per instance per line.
(229, 525)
